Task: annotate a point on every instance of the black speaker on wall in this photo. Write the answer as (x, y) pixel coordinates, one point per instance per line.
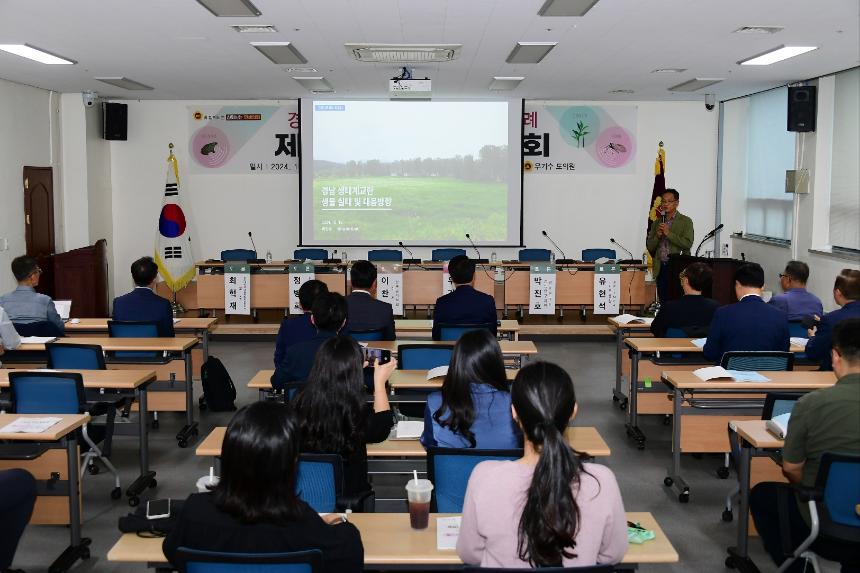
(115, 121)
(802, 105)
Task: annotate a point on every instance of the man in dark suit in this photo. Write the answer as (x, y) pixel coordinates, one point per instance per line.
(464, 305)
(846, 293)
(328, 314)
(364, 311)
(693, 312)
(142, 304)
(297, 329)
(750, 323)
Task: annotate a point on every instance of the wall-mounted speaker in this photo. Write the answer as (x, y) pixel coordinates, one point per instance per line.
(115, 121)
(802, 106)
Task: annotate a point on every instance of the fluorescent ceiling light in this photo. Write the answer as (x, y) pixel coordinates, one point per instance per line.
(280, 52)
(566, 7)
(626, 92)
(668, 70)
(302, 70)
(695, 84)
(125, 83)
(501, 83)
(37, 54)
(759, 30)
(316, 84)
(530, 52)
(230, 8)
(404, 53)
(254, 28)
(776, 55)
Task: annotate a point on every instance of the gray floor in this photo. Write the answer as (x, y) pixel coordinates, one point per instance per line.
(695, 529)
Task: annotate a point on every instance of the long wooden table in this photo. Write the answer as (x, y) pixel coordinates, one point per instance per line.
(407, 327)
(622, 330)
(516, 349)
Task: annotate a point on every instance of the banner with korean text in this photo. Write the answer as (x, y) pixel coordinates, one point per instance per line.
(389, 285)
(299, 275)
(542, 289)
(237, 288)
(607, 286)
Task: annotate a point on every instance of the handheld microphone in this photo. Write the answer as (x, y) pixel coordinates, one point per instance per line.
(708, 236)
(563, 260)
(412, 260)
(479, 260)
(625, 249)
(662, 216)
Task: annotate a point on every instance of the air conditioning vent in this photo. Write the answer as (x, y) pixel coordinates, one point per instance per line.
(404, 53)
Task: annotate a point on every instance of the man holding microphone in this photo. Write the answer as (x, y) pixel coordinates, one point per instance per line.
(673, 234)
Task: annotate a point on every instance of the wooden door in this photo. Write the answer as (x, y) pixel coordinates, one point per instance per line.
(39, 211)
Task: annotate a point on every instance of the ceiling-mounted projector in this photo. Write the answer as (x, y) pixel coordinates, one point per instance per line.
(409, 89)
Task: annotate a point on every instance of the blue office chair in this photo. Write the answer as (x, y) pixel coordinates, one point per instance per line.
(455, 331)
(423, 356)
(370, 335)
(196, 561)
(796, 329)
(41, 328)
(535, 255)
(449, 470)
(134, 329)
(310, 254)
(446, 254)
(591, 255)
(238, 255)
(385, 255)
(320, 481)
(588, 569)
(758, 360)
(63, 393)
(75, 356)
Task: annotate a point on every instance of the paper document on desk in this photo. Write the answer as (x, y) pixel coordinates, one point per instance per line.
(700, 342)
(438, 372)
(798, 341)
(176, 320)
(406, 430)
(778, 425)
(719, 373)
(37, 339)
(633, 319)
(29, 425)
(447, 532)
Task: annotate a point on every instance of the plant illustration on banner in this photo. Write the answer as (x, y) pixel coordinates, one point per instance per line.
(579, 133)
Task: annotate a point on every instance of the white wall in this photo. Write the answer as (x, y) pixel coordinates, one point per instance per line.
(74, 224)
(99, 187)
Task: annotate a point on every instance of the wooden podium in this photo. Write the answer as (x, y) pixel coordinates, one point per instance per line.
(723, 286)
(81, 276)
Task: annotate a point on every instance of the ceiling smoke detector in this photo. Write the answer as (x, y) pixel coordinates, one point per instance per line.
(404, 53)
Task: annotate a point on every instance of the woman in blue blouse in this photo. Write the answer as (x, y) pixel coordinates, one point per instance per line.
(473, 410)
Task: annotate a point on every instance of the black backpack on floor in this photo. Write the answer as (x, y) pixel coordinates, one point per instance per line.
(219, 393)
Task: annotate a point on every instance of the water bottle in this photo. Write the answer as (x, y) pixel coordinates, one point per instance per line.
(493, 257)
(268, 256)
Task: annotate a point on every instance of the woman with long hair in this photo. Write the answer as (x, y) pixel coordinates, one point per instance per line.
(548, 508)
(333, 412)
(473, 410)
(254, 507)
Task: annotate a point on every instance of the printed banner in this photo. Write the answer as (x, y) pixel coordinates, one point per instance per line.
(389, 285)
(579, 139)
(237, 289)
(447, 283)
(299, 275)
(542, 289)
(607, 285)
(242, 139)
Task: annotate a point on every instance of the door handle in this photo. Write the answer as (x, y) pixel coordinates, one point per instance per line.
(28, 218)
(26, 183)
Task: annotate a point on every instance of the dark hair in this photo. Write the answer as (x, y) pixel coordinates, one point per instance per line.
(362, 274)
(543, 397)
(259, 460)
(674, 193)
(699, 276)
(477, 359)
(309, 291)
(848, 283)
(143, 271)
(330, 406)
(23, 267)
(846, 340)
(329, 311)
(750, 275)
(797, 271)
(461, 269)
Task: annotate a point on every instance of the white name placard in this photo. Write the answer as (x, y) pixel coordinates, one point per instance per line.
(542, 289)
(607, 287)
(237, 288)
(299, 275)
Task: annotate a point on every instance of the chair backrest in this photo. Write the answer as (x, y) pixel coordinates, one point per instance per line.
(382, 255)
(196, 561)
(448, 469)
(588, 569)
(42, 328)
(758, 360)
(47, 392)
(591, 255)
(423, 356)
(838, 477)
(446, 254)
(455, 331)
(675, 332)
(238, 255)
(75, 356)
(368, 335)
(310, 254)
(535, 255)
(778, 403)
(796, 328)
(320, 481)
(133, 329)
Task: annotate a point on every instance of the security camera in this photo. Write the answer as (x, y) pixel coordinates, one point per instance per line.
(710, 102)
(90, 98)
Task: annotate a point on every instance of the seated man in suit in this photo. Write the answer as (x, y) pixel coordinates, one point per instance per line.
(750, 323)
(822, 421)
(693, 312)
(365, 312)
(142, 304)
(297, 329)
(328, 315)
(464, 305)
(795, 300)
(846, 293)
(33, 313)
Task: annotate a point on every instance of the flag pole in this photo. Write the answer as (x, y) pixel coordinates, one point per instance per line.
(174, 304)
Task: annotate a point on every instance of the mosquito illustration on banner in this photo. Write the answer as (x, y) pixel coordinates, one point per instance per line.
(173, 240)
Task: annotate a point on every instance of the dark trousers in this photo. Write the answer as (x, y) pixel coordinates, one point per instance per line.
(782, 529)
(663, 282)
(17, 496)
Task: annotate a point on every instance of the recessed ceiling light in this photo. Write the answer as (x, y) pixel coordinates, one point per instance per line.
(125, 83)
(230, 8)
(695, 84)
(566, 7)
(668, 70)
(254, 28)
(530, 52)
(621, 92)
(759, 30)
(280, 52)
(37, 54)
(501, 83)
(776, 55)
(300, 70)
(316, 84)
(404, 53)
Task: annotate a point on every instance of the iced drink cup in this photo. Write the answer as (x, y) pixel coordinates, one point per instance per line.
(418, 495)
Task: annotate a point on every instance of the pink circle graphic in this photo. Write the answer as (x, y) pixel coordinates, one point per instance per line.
(210, 147)
(614, 147)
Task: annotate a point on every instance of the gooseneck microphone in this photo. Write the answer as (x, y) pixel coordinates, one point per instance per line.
(251, 236)
(708, 236)
(563, 260)
(623, 248)
(471, 242)
(412, 260)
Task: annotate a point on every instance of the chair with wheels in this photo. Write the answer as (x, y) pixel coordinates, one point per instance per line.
(134, 329)
(423, 356)
(385, 256)
(196, 561)
(310, 254)
(319, 483)
(440, 255)
(453, 332)
(534, 255)
(591, 255)
(75, 356)
(449, 470)
(370, 335)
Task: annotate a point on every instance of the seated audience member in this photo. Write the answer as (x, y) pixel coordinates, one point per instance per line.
(796, 301)
(9, 339)
(33, 313)
(473, 410)
(693, 312)
(750, 323)
(846, 293)
(17, 498)
(301, 328)
(142, 303)
(328, 315)
(254, 507)
(364, 311)
(464, 305)
(334, 414)
(549, 508)
(826, 420)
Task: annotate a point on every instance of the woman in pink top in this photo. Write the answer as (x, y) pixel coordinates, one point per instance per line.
(548, 508)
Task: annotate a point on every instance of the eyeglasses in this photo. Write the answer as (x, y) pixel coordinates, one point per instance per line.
(782, 275)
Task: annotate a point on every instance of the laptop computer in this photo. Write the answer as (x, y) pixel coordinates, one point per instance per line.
(63, 307)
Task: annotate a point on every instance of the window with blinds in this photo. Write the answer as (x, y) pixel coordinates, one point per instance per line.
(845, 168)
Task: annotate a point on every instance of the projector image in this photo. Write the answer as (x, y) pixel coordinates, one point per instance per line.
(409, 89)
